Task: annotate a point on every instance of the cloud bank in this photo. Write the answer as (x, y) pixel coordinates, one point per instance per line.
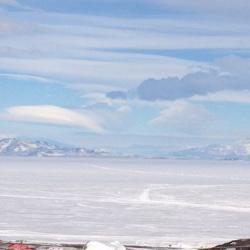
(229, 74)
(173, 88)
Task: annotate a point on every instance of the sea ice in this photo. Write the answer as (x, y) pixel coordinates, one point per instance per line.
(133, 201)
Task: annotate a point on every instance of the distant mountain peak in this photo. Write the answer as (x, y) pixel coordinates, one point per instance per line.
(236, 151)
(41, 148)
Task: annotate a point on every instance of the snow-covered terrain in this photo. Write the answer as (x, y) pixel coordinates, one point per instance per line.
(42, 148)
(236, 151)
(154, 202)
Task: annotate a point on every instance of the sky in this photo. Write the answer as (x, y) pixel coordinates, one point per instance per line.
(120, 73)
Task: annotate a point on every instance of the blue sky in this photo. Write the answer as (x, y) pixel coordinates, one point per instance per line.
(107, 72)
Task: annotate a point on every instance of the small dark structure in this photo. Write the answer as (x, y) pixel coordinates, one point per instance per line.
(243, 244)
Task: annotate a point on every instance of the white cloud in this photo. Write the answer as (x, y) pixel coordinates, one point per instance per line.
(9, 2)
(56, 46)
(14, 4)
(183, 116)
(124, 109)
(225, 96)
(11, 27)
(25, 77)
(236, 66)
(51, 115)
(239, 8)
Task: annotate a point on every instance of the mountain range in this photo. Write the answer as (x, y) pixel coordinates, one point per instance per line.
(234, 151)
(45, 148)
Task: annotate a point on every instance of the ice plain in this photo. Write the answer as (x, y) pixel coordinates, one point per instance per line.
(135, 201)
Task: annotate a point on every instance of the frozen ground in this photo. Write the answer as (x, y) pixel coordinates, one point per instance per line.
(135, 201)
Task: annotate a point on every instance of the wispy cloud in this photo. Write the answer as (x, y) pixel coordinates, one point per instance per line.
(9, 2)
(219, 8)
(91, 54)
(14, 5)
(24, 77)
(225, 96)
(103, 72)
(110, 50)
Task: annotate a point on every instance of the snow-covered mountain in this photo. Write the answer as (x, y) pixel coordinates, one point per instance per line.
(233, 151)
(237, 151)
(45, 148)
(42, 148)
